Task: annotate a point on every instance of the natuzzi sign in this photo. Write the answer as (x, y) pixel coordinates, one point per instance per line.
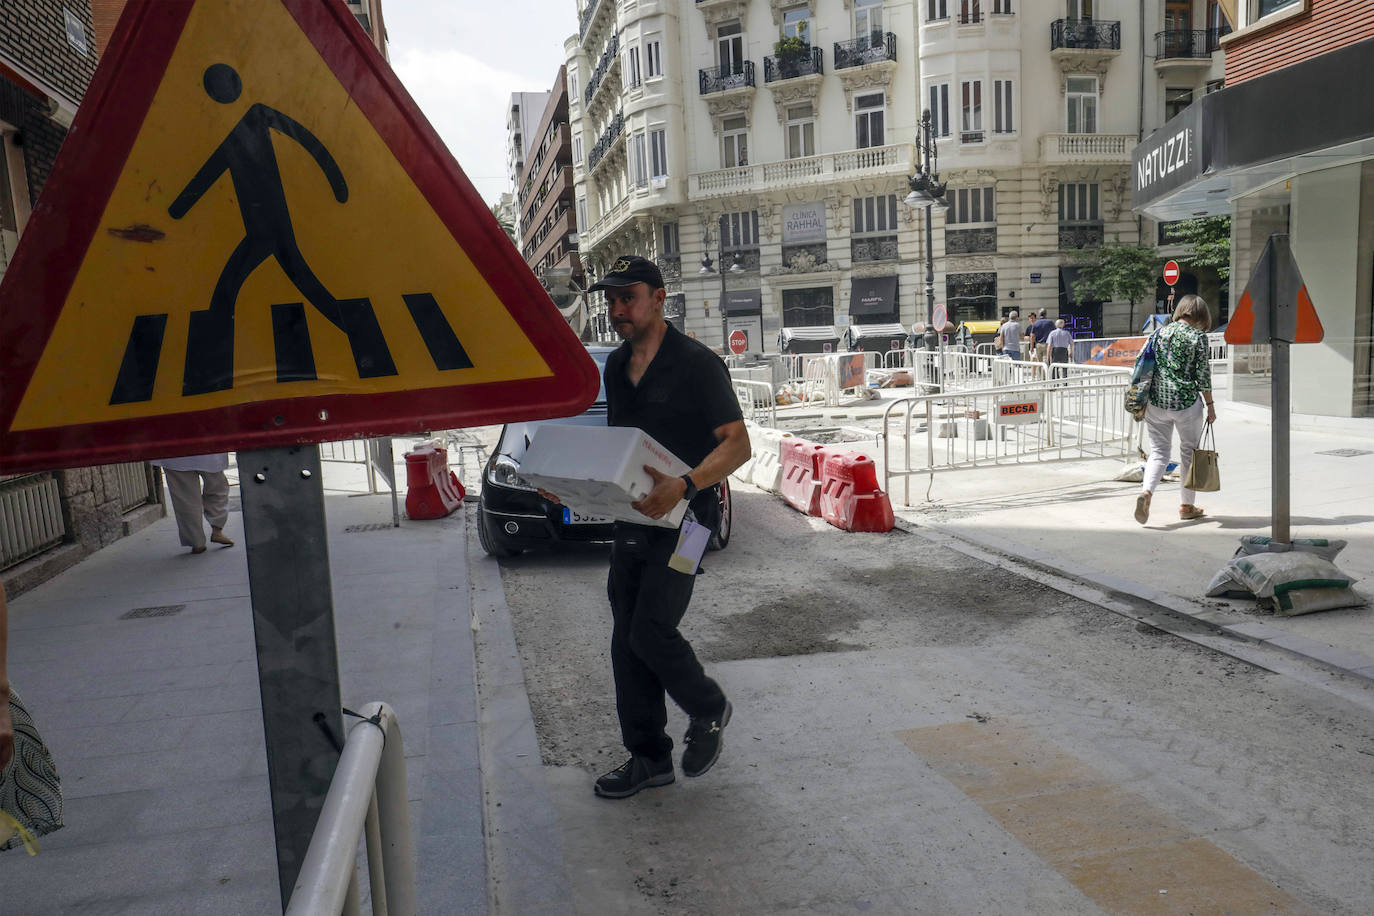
(1170, 157)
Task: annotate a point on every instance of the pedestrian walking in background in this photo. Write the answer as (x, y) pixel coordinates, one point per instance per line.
(1039, 333)
(1011, 335)
(1180, 401)
(1060, 343)
(199, 489)
(675, 389)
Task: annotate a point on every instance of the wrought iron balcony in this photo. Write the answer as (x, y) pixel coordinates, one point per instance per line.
(1176, 44)
(870, 49)
(670, 265)
(1085, 35)
(873, 248)
(971, 136)
(970, 241)
(1080, 236)
(745, 258)
(804, 258)
(606, 141)
(786, 68)
(588, 15)
(720, 79)
(608, 58)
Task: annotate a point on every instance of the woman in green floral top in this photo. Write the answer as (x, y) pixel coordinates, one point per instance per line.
(1179, 392)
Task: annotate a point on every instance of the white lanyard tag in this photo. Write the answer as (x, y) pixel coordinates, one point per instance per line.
(691, 545)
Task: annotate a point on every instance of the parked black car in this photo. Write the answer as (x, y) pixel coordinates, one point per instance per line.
(513, 517)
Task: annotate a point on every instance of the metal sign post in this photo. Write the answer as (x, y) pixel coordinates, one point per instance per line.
(293, 625)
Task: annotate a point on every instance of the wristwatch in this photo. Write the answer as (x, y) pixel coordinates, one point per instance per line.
(691, 488)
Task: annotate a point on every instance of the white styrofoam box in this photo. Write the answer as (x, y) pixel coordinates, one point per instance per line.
(599, 470)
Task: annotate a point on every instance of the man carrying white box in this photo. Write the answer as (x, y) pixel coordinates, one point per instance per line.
(679, 392)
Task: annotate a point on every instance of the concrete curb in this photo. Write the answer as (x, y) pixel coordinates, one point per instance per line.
(525, 862)
(1224, 631)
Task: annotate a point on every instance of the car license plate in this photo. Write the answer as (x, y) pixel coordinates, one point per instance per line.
(573, 518)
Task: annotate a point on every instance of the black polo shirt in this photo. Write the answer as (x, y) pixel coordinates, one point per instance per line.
(683, 397)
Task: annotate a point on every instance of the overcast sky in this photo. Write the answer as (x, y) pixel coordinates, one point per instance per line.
(461, 60)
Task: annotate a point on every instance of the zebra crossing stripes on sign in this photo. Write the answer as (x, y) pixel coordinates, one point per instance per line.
(252, 238)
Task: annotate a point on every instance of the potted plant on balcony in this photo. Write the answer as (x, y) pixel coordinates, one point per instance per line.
(792, 49)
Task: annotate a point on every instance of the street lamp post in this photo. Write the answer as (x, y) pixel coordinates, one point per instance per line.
(928, 193)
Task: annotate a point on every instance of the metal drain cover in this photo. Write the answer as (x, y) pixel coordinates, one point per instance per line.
(1346, 452)
(162, 610)
(371, 526)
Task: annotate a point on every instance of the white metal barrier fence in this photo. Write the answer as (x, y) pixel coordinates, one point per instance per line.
(366, 796)
(1064, 419)
(758, 401)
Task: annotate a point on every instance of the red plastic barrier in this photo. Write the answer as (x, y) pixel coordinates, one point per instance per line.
(801, 478)
(432, 490)
(850, 498)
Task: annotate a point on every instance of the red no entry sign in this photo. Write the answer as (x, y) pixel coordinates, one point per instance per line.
(739, 342)
(1171, 273)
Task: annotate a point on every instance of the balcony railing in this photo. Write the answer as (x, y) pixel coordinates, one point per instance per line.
(873, 248)
(588, 15)
(670, 265)
(875, 161)
(1085, 35)
(719, 79)
(746, 258)
(606, 141)
(971, 16)
(971, 136)
(1063, 149)
(812, 63)
(608, 57)
(1177, 44)
(1080, 236)
(970, 241)
(870, 49)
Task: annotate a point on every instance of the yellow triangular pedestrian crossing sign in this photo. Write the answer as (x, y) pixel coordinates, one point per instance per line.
(254, 238)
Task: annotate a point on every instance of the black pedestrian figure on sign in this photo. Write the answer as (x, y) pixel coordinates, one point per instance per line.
(247, 155)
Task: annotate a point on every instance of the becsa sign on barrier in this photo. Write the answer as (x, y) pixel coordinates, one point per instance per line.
(1019, 410)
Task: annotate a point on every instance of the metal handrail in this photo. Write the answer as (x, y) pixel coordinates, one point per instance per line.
(366, 796)
(866, 49)
(1085, 34)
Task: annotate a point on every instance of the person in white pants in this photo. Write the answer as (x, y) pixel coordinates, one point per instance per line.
(199, 488)
(1180, 401)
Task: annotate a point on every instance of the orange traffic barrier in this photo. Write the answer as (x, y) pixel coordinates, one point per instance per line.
(801, 478)
(850, 498)
(432, 490)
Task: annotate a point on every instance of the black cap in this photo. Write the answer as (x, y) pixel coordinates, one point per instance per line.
(629, 270)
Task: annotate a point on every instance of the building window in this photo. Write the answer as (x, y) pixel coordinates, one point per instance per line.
(1079, 9)
(577, 150)
(669, 238)
(730, 48)
(868, 121)
(1003, 121)
(868, 19)
(939, 109)
(658, 153)
(796, 22)
(875, 214)
(739, 230)
(936, 10)
(971, 120)
(1265, 7)
(1002, 7)
(633, 56)
(1081, 97)
(582, 214)
(970, 11)
(653, 58)
(638, 165)
(970, 206)
(801, 131)
(572, 87)
(1175, 100)
(734, 143)
(1079, 223)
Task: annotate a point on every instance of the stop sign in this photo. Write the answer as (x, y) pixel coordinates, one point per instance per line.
(739, 342)
(1171, 273)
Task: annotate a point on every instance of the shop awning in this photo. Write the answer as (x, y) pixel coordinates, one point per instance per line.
(1230, 142)
(873, 296)
(740, 302)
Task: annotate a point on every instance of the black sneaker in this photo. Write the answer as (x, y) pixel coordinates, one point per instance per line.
(635, 774)
(703, 740)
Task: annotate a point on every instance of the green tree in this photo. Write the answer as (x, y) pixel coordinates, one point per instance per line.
(1209, 238)
(507, 225)
(1118, 271)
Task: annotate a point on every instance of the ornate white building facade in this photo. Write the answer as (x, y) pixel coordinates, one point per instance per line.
(759, 151)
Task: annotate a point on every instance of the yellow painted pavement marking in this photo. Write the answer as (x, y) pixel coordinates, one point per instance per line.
(1110, 843)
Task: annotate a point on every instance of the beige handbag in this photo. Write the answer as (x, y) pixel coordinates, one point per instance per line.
(1204, 474)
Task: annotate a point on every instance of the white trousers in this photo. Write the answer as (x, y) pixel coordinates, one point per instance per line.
(197, 493)
(1161, 425)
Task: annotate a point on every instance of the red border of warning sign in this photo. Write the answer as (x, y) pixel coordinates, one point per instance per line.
(66, 219)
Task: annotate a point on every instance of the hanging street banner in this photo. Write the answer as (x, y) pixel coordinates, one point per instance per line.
(252, 238)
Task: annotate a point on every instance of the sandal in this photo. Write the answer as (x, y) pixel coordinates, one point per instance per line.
(1190, 511)
(1142, 508)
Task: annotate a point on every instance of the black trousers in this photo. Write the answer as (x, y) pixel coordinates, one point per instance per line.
(649, 657)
